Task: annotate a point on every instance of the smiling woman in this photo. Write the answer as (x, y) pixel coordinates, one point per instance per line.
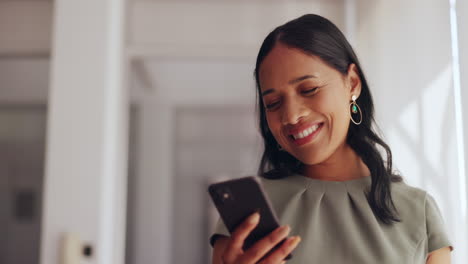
(321, 167)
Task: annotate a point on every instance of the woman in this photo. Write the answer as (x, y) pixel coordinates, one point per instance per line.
(321, 167)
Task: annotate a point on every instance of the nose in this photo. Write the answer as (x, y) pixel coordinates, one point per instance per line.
(293, 112)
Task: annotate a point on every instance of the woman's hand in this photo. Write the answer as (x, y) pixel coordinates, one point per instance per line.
(229, 250)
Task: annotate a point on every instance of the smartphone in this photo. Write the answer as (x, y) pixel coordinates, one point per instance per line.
(237, 199)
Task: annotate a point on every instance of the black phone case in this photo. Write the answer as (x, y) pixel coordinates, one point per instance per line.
(237, 199)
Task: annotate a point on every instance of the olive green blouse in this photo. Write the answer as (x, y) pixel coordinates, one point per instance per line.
(337, 225)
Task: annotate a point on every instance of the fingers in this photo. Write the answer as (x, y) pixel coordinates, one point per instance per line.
(234, 247)
(263, 246)
(279, 254)
(234, 253)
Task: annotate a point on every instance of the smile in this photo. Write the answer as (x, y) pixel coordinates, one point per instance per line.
(306, 135)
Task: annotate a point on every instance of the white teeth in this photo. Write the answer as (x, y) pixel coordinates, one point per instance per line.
(306, 132)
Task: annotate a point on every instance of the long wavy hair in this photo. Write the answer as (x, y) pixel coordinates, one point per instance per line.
(315, 35)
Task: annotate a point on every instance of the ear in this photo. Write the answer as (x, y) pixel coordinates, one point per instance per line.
(353, 80)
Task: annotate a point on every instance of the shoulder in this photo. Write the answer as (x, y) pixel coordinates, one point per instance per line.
(419, 211)
(410, 203)
(412, 199)
(408, 196)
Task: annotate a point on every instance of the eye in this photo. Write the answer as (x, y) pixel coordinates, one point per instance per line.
(272, 105)
(310, 91)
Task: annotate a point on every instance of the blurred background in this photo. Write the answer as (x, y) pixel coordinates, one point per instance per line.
(116, 115)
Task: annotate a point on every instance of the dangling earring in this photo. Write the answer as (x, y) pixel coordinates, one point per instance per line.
(354, 110)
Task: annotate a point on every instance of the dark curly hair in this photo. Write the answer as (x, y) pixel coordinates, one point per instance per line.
(316, 35)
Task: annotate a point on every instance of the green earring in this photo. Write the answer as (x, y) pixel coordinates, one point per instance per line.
(354, 110)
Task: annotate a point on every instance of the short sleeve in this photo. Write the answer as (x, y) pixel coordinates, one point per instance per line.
(436, 233)
(219, 230)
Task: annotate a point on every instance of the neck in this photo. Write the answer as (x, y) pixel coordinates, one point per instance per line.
(342, 165)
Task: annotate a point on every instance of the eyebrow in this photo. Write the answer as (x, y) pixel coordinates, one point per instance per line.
(293, 81)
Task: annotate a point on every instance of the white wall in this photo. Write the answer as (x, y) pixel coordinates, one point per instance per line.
(462, 15)
(24, 80)
(405, 48)
(25, 27)
(192, 27)
(462, 35)
(25, 30)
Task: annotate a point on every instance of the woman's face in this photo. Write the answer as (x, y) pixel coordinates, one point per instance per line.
(306, 102)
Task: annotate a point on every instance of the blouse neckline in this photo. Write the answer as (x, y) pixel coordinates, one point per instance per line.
(358, 184)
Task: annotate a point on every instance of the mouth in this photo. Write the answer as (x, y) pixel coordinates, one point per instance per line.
(306, 135)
